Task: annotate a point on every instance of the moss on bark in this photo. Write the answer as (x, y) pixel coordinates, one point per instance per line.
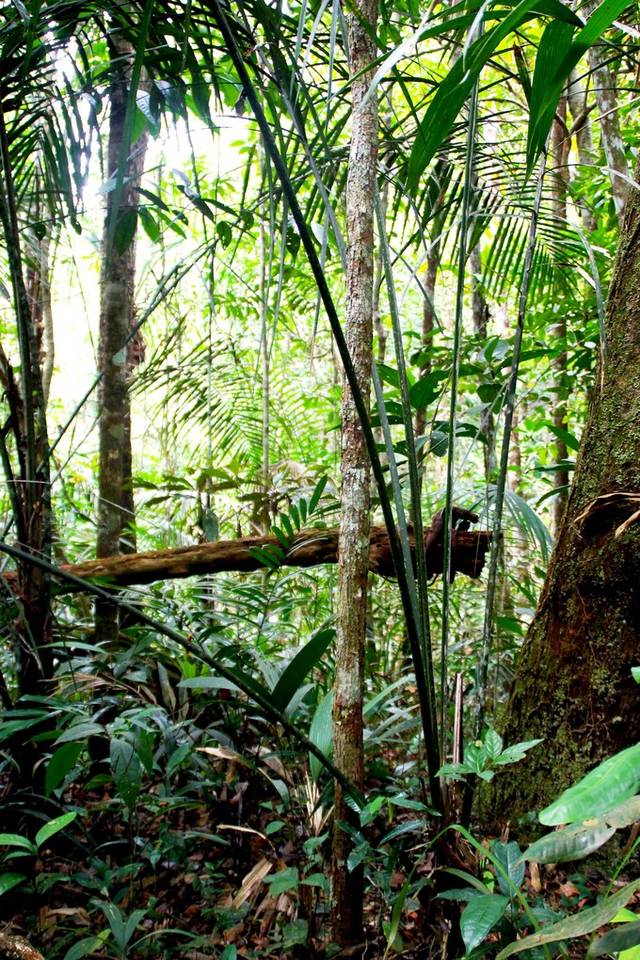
(573, 684)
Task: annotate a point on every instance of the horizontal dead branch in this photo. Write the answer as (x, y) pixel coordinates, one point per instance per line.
(309, 548)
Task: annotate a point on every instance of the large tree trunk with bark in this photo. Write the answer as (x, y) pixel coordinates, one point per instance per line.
(573, 684)
(117, 354)
(351, 614)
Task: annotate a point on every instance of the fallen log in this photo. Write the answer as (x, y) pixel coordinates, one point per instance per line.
(309, 548)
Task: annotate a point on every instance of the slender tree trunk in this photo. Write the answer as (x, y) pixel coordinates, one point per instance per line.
(116, 356)
(28, 477)
(581, 128)
(428, 317)
(560, 155)
(608, 123)
(573, 684)
(480, 315)
(347, 887)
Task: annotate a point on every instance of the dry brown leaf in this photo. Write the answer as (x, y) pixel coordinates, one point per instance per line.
(252, 882)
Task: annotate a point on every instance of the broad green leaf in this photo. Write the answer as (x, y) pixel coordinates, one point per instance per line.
(572, 843)
(295, 672)
(479, 918)
(622, 938)
(493, 743)
(127, 771)
(81, 731)
(635, 673)
(426, 389)
(610, 783)
(551, 85)
(54, 826)
(17, 840)
(509, 857)
(125, 229)
(61, 763)
(84, 947)
(407, 826)
(545, 90)
(454, 89)
(321, 733)
(283, 881)
(576, 926)
(10, 880)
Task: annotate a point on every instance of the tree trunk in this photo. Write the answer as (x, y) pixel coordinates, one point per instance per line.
(351, 615)
(581, 128)
(117, 356)
(27, 474)
(560, 154)
(604, 88)
(480, 315)
(573, 684)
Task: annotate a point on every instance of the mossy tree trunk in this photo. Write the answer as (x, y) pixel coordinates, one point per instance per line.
(573, 684)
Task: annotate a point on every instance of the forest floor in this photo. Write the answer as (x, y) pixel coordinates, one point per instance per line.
(221, 876)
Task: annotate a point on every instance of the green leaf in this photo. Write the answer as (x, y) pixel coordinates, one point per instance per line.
(623, 938)
(17, 840)
(576, 926)
(407, 826)
(427, 389)
(610, 783)
(546, 89)
(304, 661)
(127, 771)
(560, 57)
(10, 880)
(149, 224)
(321, 733)
(125, 229)
(396, 915)
(54, 826)
(283, 881)
(317, 493)
(493, 744)
(454, 89)
(635, 673)
(61, 763)
(571, 441)
(572, 843)
(225, 234)
(509, 857)
(81, 731)
(479, 918)
(84, 947)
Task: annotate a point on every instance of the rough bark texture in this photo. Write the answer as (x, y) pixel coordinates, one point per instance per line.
(351, 613)
(309, 549)
(573, 684)
(560, 144)
(116, 356)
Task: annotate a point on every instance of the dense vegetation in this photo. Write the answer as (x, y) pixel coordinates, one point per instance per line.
(319, 331)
